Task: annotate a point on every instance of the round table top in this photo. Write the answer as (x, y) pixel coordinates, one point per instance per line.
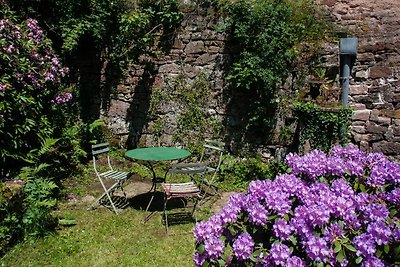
(157, 153)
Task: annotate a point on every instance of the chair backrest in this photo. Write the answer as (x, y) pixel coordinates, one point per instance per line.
(98, 150)
(188, 168)
(212, 153)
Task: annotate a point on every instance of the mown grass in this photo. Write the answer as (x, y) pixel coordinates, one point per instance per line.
(100, 238)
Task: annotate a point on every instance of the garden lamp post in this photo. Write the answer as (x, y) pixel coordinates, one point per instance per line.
(348, 54)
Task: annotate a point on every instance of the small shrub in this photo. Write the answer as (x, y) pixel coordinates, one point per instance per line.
(337, 209)
(237, 173)
(10, 213)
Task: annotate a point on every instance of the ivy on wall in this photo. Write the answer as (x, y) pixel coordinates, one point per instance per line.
(191, 116)
(267, 38)
(320, 127)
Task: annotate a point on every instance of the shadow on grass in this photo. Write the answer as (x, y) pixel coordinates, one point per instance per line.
(176, 208)
(140, 202)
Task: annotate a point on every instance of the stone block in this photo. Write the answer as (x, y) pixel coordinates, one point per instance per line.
(380, 72)
(394, 114)
(195, 47)
(364, 146)
(367, 137)
(363, 57)
(357, 106)
(361, 89)
(206, 58)
(358, 129)
(387, 148)
(362, 74)
(169, 68)
(361, 115)
(373, 128)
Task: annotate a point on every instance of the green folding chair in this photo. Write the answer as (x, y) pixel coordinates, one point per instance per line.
(183, 190)
(212, 156)
(118, 179)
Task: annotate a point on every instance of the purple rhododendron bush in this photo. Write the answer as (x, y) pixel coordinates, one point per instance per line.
(337, 209)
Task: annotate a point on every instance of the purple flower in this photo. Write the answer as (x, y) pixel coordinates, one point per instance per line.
(207, 229)
(365, 245)
(379, 232)
(317, 249)
(213, 247)
(372, 261)
(257, 214)
(198, 259)
(243, 246)
(3, 88)
(295, 262)
(396, 234)
(282, 229)
(333, 232)
(375, 212)
(279, 253)
(63, 98)
(394, 196)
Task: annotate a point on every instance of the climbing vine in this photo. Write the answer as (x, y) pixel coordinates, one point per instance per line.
(321, 127)
(191, 118)
(267, 37)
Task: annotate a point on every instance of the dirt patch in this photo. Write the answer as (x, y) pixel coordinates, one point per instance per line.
(137, 191)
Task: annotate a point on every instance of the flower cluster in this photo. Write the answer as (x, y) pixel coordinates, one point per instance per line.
(327, 210)
(27, 55)
(63, 98)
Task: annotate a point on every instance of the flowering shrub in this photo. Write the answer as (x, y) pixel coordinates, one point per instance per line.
(30, 78)
(337, 209)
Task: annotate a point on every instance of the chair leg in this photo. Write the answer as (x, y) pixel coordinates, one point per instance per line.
(165, 213)
(107, 192)
(194, 206)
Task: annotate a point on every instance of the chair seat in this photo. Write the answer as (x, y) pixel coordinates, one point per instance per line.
(175, 190)
(116, 175)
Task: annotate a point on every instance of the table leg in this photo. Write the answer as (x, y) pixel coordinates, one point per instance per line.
(153, 189)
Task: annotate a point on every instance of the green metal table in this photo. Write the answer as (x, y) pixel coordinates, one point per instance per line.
(150, 156)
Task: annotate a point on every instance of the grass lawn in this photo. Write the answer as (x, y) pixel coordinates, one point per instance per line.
(100, 238)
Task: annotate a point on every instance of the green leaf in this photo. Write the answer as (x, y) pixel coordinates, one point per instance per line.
(338, 246)
(200, 249)
(386, 248)
(359, 260)
(350, 247)
(293, 239)
(362, 188)
(221, 262)
(340, 256)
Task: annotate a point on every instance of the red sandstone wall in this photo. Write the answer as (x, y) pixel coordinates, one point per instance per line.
(375, 84)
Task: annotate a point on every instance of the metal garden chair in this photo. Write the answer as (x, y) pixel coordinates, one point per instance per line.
(212, 156)
(183, 190)
(107, 172)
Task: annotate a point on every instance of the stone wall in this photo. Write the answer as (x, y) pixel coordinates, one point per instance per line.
(197, 48)
(375, 85)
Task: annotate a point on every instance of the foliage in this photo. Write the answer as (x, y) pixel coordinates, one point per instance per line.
(10, 215)
(106, 34)
(39, 202)
(236, 173)
(193, 122)
(266, 38)
(337, 209)
(29, 82)
(322, 128)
